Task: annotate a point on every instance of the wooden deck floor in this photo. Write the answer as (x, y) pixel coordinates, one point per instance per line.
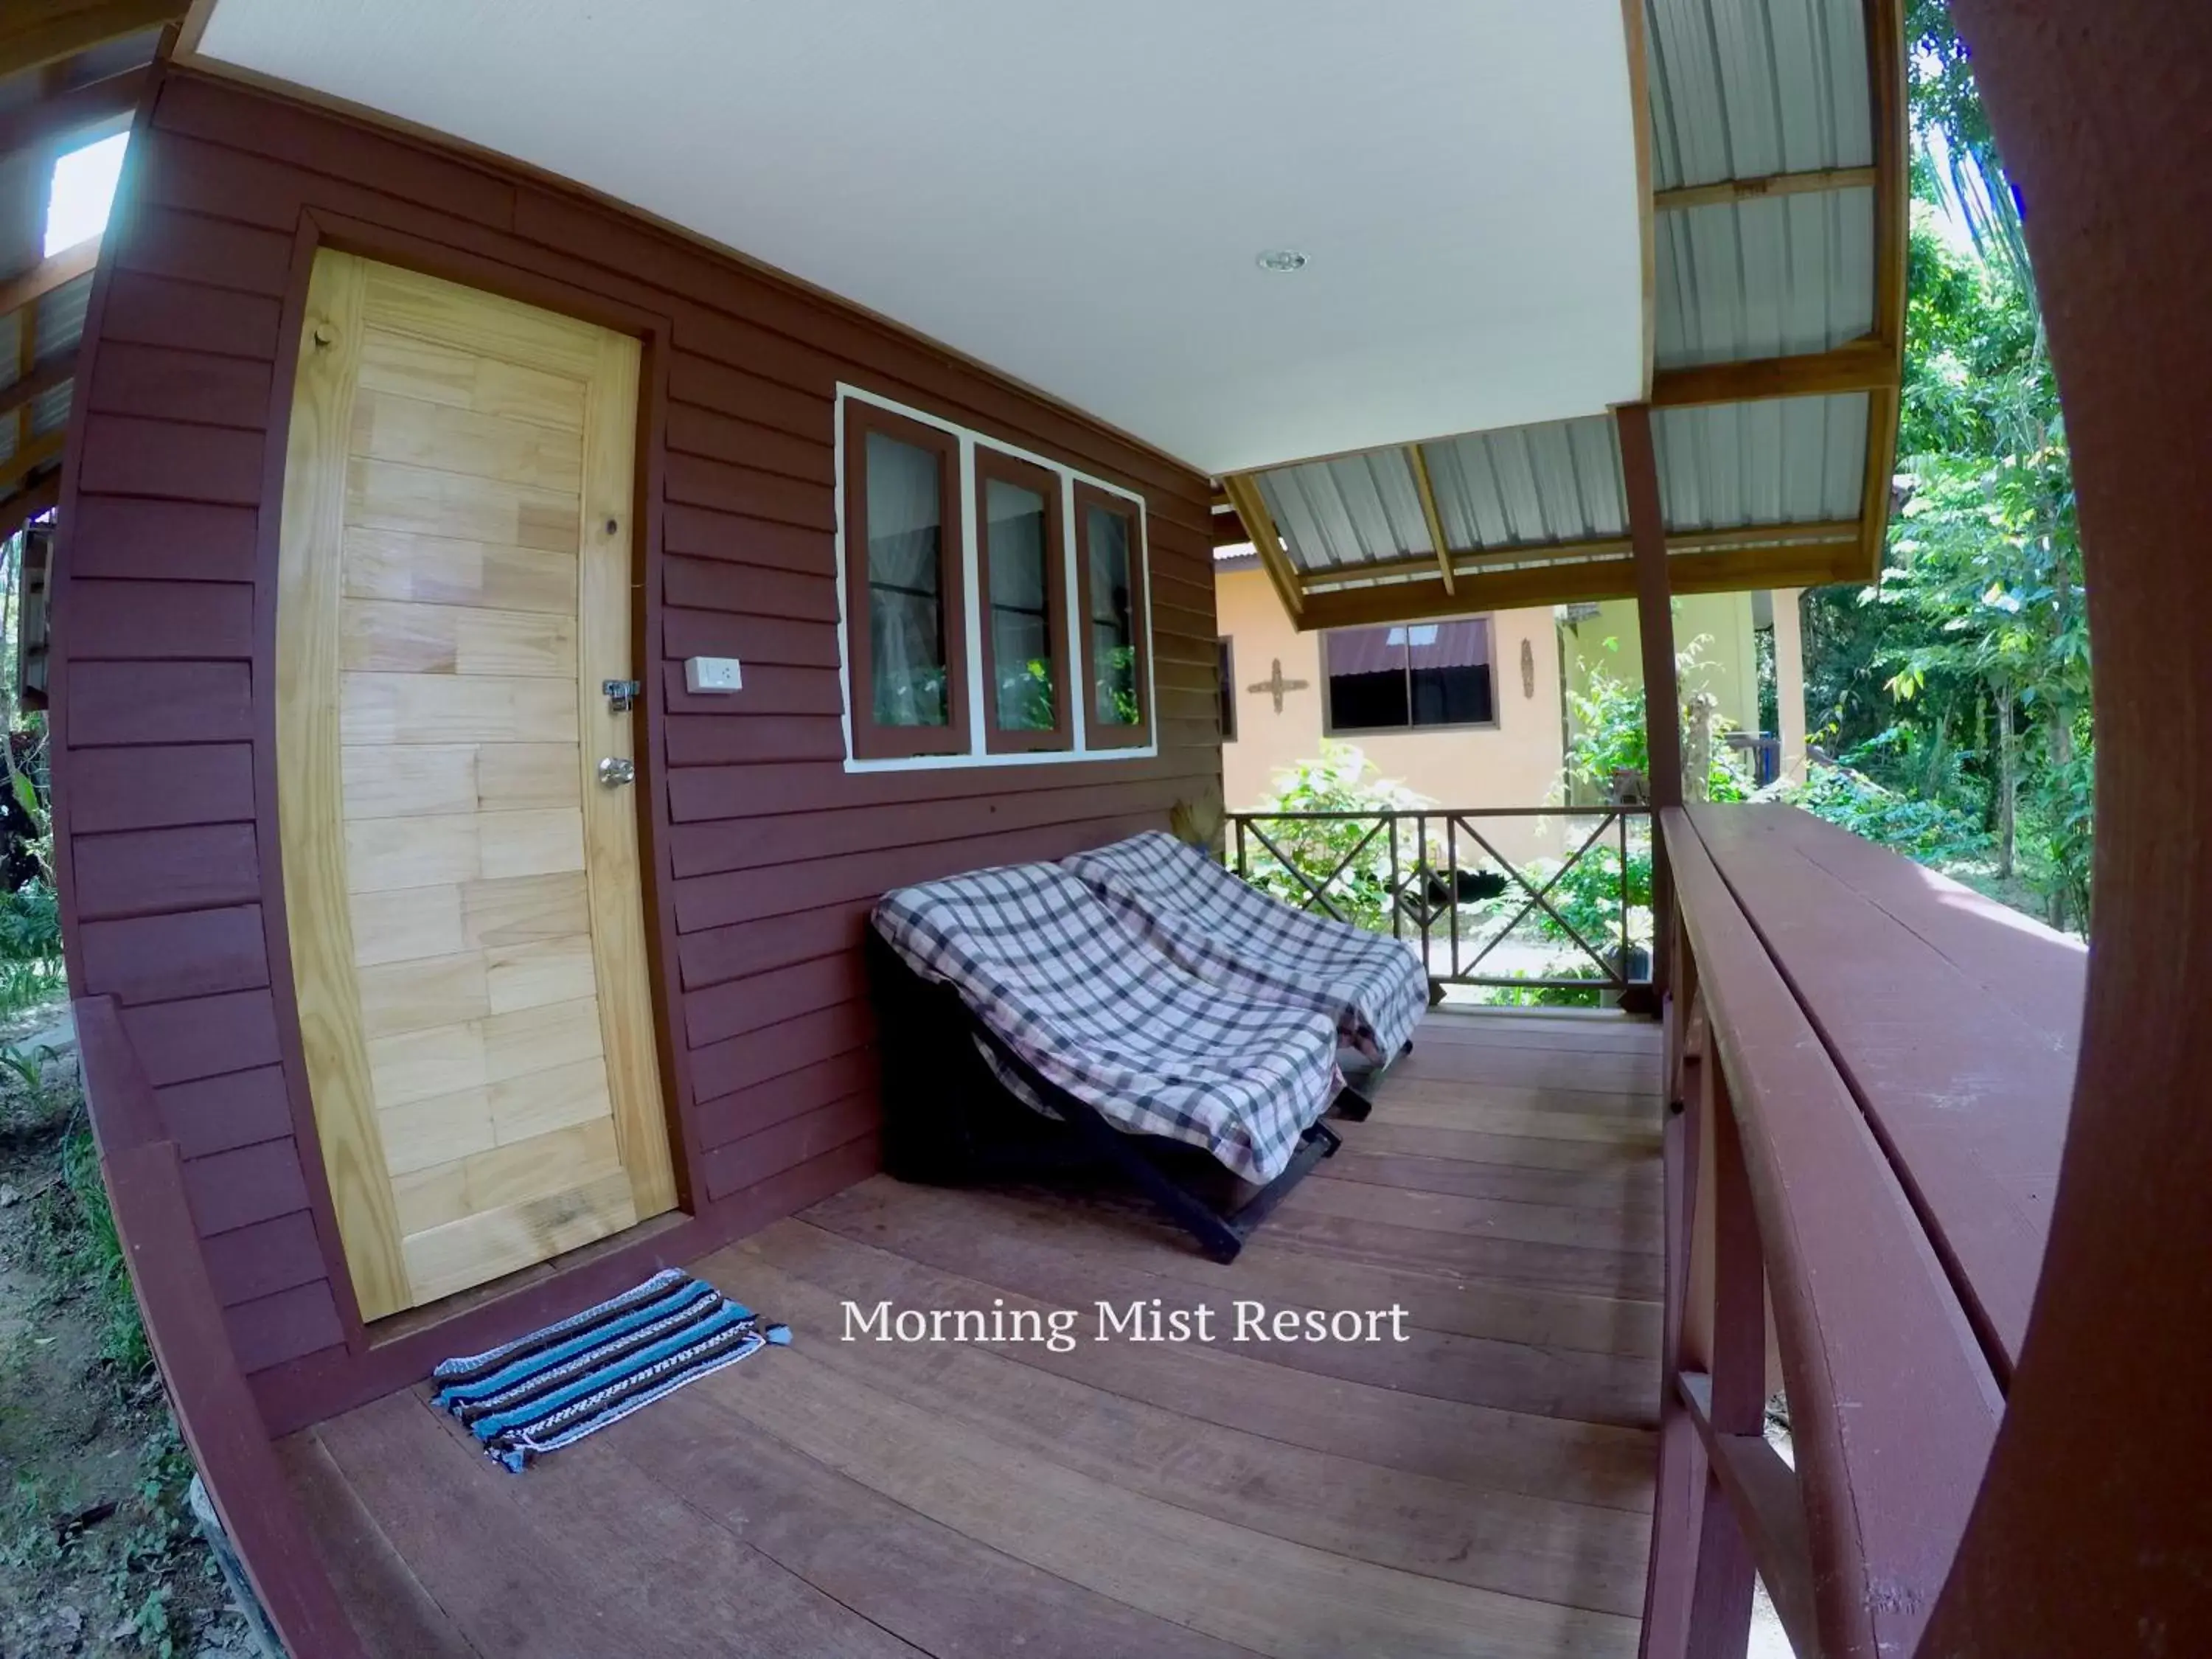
(1482, 1487)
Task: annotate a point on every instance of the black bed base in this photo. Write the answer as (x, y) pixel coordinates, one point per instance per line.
(949, 1121)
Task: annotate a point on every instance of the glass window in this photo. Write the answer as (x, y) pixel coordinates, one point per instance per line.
(1407, 677)
(1024, 575)
(1112, 619)
(1225, 672)
(905, 598)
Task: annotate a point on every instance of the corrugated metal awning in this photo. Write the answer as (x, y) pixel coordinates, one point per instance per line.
(1777, 241)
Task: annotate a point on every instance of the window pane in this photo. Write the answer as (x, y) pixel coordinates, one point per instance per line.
(1227, 674)
(906, 614)
(1367, 686)
(1021, 630)
(1113, 633)
(1451, 677)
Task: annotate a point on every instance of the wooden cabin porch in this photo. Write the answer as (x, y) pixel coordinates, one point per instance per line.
(1486, 1486)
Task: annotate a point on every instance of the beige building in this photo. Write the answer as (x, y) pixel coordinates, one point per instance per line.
(1471, 712)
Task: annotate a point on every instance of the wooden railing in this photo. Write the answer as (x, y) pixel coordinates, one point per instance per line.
(1414, 873)
(185, 1327)
(1848, 1144)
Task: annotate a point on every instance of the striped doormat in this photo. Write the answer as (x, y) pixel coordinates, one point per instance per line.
(550, 1388)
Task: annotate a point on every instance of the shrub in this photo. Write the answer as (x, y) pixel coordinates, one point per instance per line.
(1341, 780)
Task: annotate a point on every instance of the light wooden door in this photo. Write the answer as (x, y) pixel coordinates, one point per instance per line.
(462, 888)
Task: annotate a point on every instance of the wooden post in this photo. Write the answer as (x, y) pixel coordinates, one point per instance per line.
(1663, 711)
(2092, 1531)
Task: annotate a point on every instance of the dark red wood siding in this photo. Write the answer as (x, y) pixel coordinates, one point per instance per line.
(763, 854)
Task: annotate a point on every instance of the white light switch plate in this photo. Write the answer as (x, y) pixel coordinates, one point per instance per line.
(712, 674)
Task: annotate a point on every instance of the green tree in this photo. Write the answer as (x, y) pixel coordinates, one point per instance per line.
(1961, 677)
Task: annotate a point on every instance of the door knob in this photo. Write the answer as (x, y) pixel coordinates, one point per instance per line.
(614, 772)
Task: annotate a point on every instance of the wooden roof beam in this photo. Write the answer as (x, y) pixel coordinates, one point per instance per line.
(1871, 364)
(41, 32)
(25, 504)
(31, 456)
(1428, 495)
(1472, 561)
(1724, 570)
(1259, 524)
(39, 124)
(1759, 189)
(1893, 209)
(43, 278)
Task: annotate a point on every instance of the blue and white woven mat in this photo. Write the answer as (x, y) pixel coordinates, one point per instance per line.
(553, 1387)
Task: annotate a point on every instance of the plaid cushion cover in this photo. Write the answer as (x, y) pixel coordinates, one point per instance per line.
(1156, 1051)
(1208, 922)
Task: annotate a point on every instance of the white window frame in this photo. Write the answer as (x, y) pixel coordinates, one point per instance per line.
(978, 753)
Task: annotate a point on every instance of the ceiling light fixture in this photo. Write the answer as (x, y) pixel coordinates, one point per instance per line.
(1280, 258)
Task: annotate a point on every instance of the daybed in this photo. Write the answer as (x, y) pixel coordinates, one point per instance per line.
(1018, 984)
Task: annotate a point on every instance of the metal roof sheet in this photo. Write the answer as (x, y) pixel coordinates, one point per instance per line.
(1789, 460)
(1352, 510)
(1743, 88)
(1557, 482)
(1765, 278)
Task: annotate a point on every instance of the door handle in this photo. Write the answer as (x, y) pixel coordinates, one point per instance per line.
(614, 772)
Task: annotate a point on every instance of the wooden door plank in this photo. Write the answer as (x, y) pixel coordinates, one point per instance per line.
(489, 325)
(401, 636)
(489, 1243)
(419, 501)
(478, 1053)
(391, 564)
(447, 849)
(391, 780)
(460, 377)
(388, 427)
(533, 1168)
(310, 790)
(612, 861)
(435, 709)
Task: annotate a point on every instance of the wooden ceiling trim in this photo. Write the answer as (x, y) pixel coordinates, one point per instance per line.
(31, 456)
(1473, 562)
(1260, 524)
(37, 33)
(42, 379)
(25, 504)
(1428, 495)
(1893, 208)
(43, 278)
(1761, 189)
(37, 125)
(1646, 230)
(1869, 364)
(1724, 570)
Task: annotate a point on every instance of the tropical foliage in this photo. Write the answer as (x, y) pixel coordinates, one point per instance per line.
(1957, 688)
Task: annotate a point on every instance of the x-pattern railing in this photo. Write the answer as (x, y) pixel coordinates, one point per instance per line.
(1335, 866)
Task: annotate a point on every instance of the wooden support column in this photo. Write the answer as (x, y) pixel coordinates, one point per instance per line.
(1654, 620)
(2092, 1531)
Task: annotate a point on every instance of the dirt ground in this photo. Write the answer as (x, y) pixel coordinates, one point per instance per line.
(98, 1555)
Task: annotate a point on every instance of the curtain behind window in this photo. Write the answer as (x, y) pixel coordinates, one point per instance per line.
(1113, 633)
(1021, 633)
(906, 603)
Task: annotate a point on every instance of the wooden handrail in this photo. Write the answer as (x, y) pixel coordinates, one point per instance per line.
(185, 1327)
(1893, 1406)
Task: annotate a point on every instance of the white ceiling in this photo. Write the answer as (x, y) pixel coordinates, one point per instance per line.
(1076, 194)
